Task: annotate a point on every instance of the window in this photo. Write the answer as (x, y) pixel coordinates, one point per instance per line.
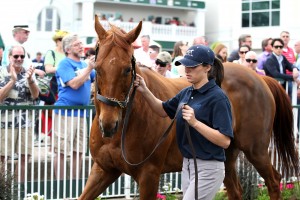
(260, 13)
(48, 20)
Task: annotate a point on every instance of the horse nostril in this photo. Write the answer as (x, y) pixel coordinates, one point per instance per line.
(117, 125)
(108, 129)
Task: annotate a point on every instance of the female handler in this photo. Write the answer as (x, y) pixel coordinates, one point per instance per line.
(207, 110)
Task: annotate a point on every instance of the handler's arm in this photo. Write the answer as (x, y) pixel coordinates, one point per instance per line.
(209, 133)
(212, 135)
(154, 103)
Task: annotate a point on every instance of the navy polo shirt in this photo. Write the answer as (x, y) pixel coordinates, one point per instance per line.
(211, 107)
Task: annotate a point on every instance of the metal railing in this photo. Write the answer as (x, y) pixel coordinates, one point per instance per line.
(38, 158)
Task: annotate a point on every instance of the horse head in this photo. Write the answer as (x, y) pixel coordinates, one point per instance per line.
(115, 69)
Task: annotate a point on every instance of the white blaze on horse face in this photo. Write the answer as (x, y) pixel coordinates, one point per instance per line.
(113, 60)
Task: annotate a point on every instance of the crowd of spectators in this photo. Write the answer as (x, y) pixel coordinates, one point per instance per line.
(21, 81)
(155, 20)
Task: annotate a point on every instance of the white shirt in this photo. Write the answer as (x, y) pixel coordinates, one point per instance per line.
(143, 57)
(279, 59)
(171, 75)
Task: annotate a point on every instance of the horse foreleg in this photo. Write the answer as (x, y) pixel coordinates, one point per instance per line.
(97, 182)
(231, 180)
(148, 184)
(261, 161)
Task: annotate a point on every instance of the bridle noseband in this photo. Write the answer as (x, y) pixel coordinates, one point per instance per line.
(114, 101)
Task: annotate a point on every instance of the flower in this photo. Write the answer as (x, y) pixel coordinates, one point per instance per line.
(160, 197)
(165, 187)
(260, 185)
(34, 196)
(289, 186)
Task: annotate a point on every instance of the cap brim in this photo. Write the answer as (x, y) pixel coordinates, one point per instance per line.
(25, 29)
(186, 62)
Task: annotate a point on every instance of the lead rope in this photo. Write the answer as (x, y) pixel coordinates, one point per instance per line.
(161, 139)
(187, 132)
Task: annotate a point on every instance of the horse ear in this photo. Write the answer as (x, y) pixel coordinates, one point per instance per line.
(99, 29)
(134, 33)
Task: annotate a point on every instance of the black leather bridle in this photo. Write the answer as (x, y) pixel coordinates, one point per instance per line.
(113, 101)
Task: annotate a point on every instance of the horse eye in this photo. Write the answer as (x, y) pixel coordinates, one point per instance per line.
(127, 71)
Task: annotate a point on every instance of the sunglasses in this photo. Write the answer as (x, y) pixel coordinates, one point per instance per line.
(160, 63)
(278, 47)
(251, 60)
(17, 56)
(243, 52)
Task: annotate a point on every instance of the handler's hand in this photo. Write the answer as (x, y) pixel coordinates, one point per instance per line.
(139, 82)
(189, 115)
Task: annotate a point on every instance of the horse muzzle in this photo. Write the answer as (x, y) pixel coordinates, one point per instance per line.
(108, 129)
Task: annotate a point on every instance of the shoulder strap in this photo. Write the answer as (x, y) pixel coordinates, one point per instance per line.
(53, 55)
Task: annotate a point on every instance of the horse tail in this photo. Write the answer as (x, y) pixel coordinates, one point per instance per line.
(217, 72)
(283, 129)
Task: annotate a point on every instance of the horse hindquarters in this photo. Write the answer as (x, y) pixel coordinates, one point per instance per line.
(253, 109)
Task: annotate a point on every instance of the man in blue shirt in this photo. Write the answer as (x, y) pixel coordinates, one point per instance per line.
(74, 78)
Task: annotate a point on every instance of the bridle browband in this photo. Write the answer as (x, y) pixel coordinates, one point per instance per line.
(113, 101)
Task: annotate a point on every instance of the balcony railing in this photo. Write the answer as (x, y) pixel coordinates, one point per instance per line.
(157, 32)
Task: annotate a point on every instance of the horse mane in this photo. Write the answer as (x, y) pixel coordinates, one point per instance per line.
(161, 86)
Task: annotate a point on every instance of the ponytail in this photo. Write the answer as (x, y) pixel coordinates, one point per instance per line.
(217, 72)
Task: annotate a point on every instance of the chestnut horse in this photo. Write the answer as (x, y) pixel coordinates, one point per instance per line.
(257, 111)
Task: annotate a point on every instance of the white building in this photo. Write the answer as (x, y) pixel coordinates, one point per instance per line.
(226, 20)
(218, 20)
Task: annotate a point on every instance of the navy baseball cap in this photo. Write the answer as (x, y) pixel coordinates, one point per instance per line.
(197, 55)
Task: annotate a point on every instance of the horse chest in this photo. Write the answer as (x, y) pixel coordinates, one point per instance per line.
(108, 156)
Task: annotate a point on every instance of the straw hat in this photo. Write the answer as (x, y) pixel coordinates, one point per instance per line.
(59, 34)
